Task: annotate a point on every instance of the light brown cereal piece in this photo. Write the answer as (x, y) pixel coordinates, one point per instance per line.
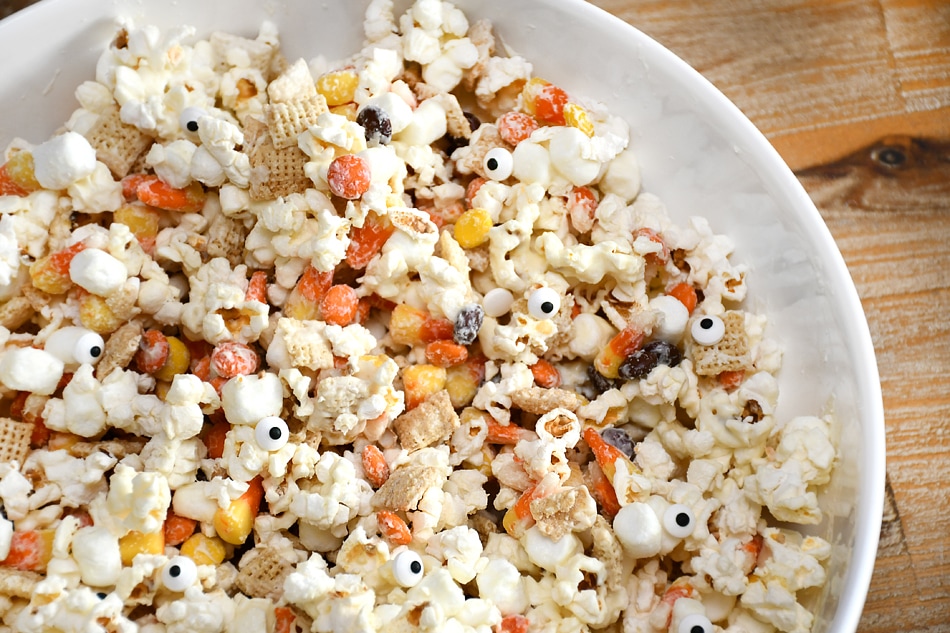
(607, 549)
(261, 573)
(116, 448)
(117, 144)
(431, 422)
(729, 354)
(478, 258)
(405, 487)
(233, 50)
(18, 584)
(274, 172)
(483, 523)
(294, 105)
(484, 139)
(480, 34)
(37, 298)
(14, 440)
(539, 400)
(412, 75)
(567, 510)
(226, 239)
(457, 125)
(60, 229)
(122, 302)
(15, 313)
(119, 349)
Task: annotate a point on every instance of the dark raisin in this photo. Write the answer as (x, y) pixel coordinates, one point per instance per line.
(600, 383)
(619, 439)
(467, 324)
(752, 410)
(377, 126)
(637, 365)
(666, 353)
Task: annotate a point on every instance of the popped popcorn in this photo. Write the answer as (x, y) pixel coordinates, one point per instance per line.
(357, 359)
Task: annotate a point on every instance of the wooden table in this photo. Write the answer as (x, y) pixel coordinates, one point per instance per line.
(855, 94)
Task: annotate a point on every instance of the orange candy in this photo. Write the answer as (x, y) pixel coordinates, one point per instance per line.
(660, 257)
(514, 127)
(348, 176)
(374, 465)
(472, 190)
(393, 528)
(444, 353)
(257, 287)
(230, 359)
(178, 528)
(156, 193)
(153, 352)
(514, 623)
(686, 295)
(339, 305)
(367, 241)
(545, 374)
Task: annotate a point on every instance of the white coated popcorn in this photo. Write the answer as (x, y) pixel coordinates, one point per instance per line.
(138, 501)
(9, 254)
(248, 399)
(30, 369)
(96, 550)
(97, 271)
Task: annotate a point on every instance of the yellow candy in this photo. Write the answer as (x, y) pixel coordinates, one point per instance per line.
(338, 87)
(576, 116)
(472, 227)
(179, 358)
(143, 221)
(95, 314)
(135, 543)
(204, 550)
(19, 169)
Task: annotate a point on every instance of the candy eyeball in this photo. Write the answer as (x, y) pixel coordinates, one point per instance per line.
(189, 118)
(498, 163)
(695, 623)
(678, 520)
(708, 330)
(75, 345)
(271, 433)
(497, 302)
(89, 348)
(544, 303)
(407, 568)
(179, 573)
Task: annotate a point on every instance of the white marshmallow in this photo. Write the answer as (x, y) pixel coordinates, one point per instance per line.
(622, 176)
(30, 369)
(62, 160)
(548, 553)
(428, 124)
(671, 319)
(570, 154)
(97, 271)
(638, 529)
(532, 163)
(400, 112)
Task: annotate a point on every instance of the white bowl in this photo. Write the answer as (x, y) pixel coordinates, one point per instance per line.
(698, 153)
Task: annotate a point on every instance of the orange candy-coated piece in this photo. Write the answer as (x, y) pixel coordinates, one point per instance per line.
(605, 453)
(545, 374)
(339, 305)
(367, 241)
(686, 295)
(514, 623)
(393, 528)
(514, 127)
(730, 380)
(444, 353)
(257, 287)
(157, 193)
(215, 437)
(374, 465)
(498, 434)
(284, 620)
(230, 359)
(348, 176)
(178, 528)
(30, 550)
(660, 257)
(153, 352)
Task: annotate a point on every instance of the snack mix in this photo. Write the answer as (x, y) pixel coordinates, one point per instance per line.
(392, 343)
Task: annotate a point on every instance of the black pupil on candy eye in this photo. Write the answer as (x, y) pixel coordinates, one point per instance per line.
(706, 323)
(415, 567)
(682, 520)
(101, 596)
(492, 164)
(697, 628)
(192, 126)
(174, 571)
(547, 307)
(274, 433)
(95, 351)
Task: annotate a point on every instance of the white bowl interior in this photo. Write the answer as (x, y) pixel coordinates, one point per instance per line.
(697, 151)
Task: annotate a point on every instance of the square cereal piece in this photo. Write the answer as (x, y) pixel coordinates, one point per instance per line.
(117, 144)
(567, 510)
(731, 353)
(405, 487)
(15, 313)
(431, 422)
(294, 105)
(262, 572)
(539, 400)
(14, 440)
(18, 584)
(274, 172)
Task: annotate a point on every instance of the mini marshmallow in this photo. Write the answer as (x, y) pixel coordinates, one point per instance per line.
(622, 176)
(548, 553)
(570, 149)
(97, 271)
(428, 124)
(671, 319)
(532, 163)
(248, 399)
(638, 529)
(30, 369)
(62, 160)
